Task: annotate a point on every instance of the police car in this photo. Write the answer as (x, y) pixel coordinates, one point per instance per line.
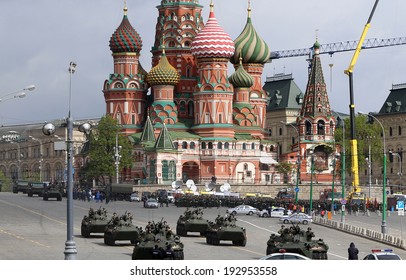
(386, 254)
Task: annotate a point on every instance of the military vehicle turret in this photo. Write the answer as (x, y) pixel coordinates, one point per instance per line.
(158, 242)
(295, 240)
(121, 228)
(94, 222)
(52, 191)
(192, 221)
(224, 228)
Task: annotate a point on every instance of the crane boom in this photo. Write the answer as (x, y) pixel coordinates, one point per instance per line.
(344, 46)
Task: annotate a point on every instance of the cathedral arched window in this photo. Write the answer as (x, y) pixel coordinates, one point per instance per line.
(190, 108)
(192, 145)
(252, 146)
(184, 145)
(321, 127)
(210, 146)
(308, 128)
(226, 145)
(203, 145)
(244, 146)
(220, 145)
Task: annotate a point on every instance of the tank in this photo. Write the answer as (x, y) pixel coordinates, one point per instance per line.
(35, 188)
(94, 222)
(121, 228)
(191, 221)
(159, 243)
(225, 228)
(52, 191)
(295, 240)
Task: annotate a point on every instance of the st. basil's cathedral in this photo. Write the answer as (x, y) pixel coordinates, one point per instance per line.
(187, 118)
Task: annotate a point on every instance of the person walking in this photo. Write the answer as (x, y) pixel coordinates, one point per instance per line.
(352, 252)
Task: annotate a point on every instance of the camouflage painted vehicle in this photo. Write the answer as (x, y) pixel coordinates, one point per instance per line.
(192, 221)
(158, 242)
(95, 222)
(121, 228)
(20, 186)
(35, 188)
(296, 240)
(224, 228)
(52, 191)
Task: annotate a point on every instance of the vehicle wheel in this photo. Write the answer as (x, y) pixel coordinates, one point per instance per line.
(250, 213)
(45, 197)
(178, 255)
(265, 215)
(285, 221)
(59, 198)
(233, 213)
(242, 243)
(29, 194)
(84, 232)
(305, 222)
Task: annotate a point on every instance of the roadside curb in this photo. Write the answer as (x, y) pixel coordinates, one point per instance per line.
(362, 232)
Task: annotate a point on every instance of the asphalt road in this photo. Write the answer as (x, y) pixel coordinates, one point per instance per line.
(33, 229)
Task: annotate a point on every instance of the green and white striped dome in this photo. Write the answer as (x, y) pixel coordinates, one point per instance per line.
(250, 46)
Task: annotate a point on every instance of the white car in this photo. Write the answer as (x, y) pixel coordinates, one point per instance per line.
(243, 209)
(285, 256)
(151, 203)
(274, 213)
(301, 218)
(386, 254)
(135, 197)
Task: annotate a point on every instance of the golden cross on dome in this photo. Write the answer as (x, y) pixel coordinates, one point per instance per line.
(125, 7)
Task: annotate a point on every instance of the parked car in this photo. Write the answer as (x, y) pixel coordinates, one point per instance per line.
(243, 209)
(151, 203)
(301, 218)
(135, 197)
(276, 212)
(386, 254)
(285, 256)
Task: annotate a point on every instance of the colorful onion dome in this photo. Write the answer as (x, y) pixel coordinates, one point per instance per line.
(316, 47)
(125, 38)
(240, 78)
(163, 73)
(250, 46)
(212, 40)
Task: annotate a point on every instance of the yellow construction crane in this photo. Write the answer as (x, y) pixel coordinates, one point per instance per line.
(353, 141)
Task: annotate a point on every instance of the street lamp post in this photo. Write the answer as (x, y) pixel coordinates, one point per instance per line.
(49, 129)
(400, 166)
(343, 173)
(384, 229)
(40, 154)
(311, 152)
(335, 157)
(117, 158)
(298, 161)
(17, 94)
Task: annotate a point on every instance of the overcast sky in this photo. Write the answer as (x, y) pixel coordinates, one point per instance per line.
(40, 38)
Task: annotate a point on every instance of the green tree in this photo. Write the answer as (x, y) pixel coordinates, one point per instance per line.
(5, 183)
(284, 168)
(102, 143)
(366, 134)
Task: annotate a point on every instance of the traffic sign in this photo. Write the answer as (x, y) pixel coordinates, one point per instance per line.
(296, 189)
(343, 201)
(400, 204)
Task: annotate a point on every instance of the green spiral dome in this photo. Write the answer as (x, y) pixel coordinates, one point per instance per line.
(240, 78)
(250, 46)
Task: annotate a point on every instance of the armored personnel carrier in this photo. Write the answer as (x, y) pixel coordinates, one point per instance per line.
(192, 221)
(52, 191)
(158, 242)
(121, 228)
(35, 188)
(224, 228)
(295, 240)
(94, 222)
